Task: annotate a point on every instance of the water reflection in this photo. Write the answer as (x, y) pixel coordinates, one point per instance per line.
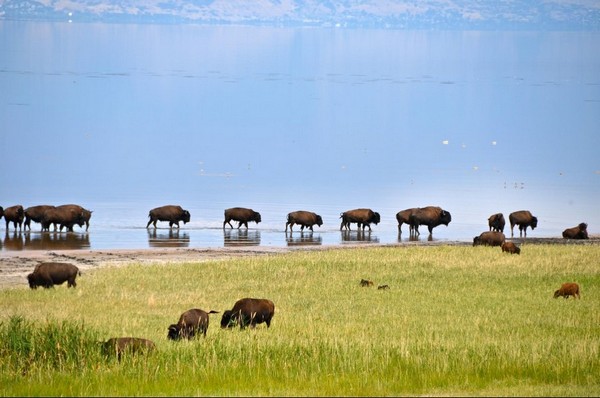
(46, 241)
(358, 236)
(170, 238)
(303, 239)
(241, 237)
(414, 238)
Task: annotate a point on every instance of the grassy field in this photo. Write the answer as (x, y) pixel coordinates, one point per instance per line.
(456, 320)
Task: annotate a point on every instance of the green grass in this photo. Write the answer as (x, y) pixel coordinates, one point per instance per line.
(455, 321)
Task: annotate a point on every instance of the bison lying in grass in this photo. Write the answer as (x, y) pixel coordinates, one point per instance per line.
(578, 232)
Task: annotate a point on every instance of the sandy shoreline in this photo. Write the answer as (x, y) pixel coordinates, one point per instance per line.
(15, 265)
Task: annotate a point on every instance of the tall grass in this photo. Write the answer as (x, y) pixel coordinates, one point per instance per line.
(455, 321)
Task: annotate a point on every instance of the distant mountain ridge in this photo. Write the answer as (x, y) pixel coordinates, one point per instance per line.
(401, 14)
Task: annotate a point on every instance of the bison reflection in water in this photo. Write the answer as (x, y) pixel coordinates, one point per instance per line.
(172, 238)
(241, 237)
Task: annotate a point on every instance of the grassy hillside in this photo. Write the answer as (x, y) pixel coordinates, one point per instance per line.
(455, 321)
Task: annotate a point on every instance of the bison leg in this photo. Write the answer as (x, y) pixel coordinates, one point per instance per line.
(71, 282)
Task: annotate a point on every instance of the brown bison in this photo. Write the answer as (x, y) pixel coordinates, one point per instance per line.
(568, 289)
(249, 311)
(304, 219)
(403, 217)
(35, 214)
(49, 274)
(496, 222)
(64, 216)
(578, 232)
(241, 215)
(84, 218)
(524, 219)
(127, 345)
(171, 213)
(362, 217)
(510, 247)
(190, 322)
(14, 214)
(489, 238)
(432, 216)
(366, 283)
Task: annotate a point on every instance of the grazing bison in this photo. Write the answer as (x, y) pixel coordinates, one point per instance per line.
(366, 283)
(496, 222)
(304, 219)
(14, 214)
(524, 219)
(84, 218)
(578, 232)
(383, 287)
(568, 289)
(432, 216)
(49, 274)
(35, 214)
(190, 322)
(127, 345)
(489, 238)
(403, 217)
(241, 215)
(172, 214)
(510, 247)
(63, 216)
(362, 217)
(249, 311)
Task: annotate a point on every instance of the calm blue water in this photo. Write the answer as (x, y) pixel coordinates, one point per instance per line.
(125, 118)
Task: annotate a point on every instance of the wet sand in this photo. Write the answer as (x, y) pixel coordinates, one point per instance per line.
(15, 265)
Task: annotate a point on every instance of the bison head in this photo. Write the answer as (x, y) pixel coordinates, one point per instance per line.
(582, 226)
(185, 217)
(376, 218)
(228, 320)
(174, 332)
(32, 281)
(557, 293)
(257, 218)
(476, 241)
(319, 220)
(445, 217)
(533, 222)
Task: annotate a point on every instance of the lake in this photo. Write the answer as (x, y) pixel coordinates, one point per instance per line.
(124, 118)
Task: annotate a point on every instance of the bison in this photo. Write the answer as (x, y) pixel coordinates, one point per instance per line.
(127, 345)
(568, 289)
(63, 216)
(578, 232)
(190, 322)
(510, 247)
(249, 311)
(489, 238)
(241, 215)
(524, 219)
(84, 217)
(432, 216)
(171, 213)
(49, 274)
(14, 214)
(366, 283)
(362, 217)
(304, 219)
(496, 222)
(35, 213)
(403, 217)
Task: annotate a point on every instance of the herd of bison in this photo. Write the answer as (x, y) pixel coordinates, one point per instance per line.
(252, 311)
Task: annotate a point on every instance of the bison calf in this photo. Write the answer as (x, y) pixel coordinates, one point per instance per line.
(130, 345)
(366, 283)
(510, 247)
(50, 274)
(568, 289)
(249, 311)
(190, 322)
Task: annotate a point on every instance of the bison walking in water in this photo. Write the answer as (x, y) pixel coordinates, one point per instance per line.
(190, 322)
(568, 289)
(510, 247)
(304, 219)
(524, 219)
(497, 222)
(362, 217)
(241, 215)
(249, 311)
(489, 238)
(65, 216)
(171, 213)
(403, 217)
(14, 214)
(432, 216)
(578, 232)
(49, 274)
(35, 214)
(127, 345)
(84, 215)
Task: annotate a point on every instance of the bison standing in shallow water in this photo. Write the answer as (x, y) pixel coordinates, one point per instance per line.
(249, 311)
(35, 214)
(362, 217)
(14, 214)
(49, 274)
(496, 222)
(489, 238)
(190, 322)
(578, 232)
(241, 215)
(432, 216)
(403, 217)
(304, 219)
(524, 219)
(172, 214)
